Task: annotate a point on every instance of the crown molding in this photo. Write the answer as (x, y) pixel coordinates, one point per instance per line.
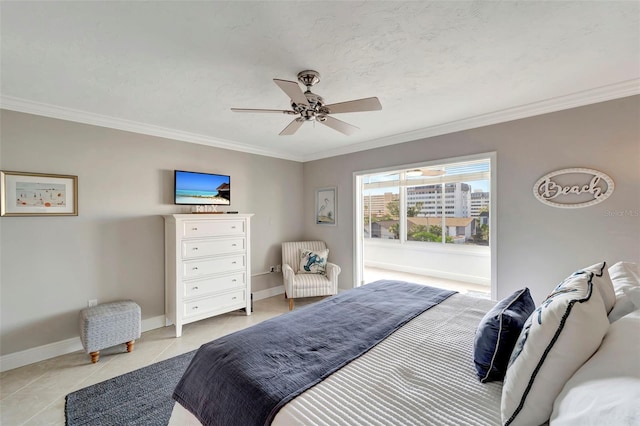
(69, 114)
(586, 97)
(574, 100)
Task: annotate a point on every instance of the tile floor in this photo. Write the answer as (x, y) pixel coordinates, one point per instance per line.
(34, 394)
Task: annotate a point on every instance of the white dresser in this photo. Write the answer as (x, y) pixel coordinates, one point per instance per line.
(207, 266)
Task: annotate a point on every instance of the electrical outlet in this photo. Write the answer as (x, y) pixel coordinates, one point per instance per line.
(92, 302)
(278, 268)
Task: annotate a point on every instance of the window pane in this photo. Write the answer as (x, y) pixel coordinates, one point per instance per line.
(381, 195)
(480, 212)
(446, 203)
(454, 209)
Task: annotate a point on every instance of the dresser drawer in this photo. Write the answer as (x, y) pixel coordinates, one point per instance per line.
(214, 303)
(202, 287)
(197, 268)
(199, 248)
(201, 228)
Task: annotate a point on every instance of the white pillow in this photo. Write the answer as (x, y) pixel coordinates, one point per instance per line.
(633, 293)
(558, 337)
(624, 276)
(606, 389)
(602, 282)
(313, 262)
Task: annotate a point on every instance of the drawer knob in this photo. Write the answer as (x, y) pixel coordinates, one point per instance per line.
(234, 262)
(234, 244)
(194, 288)
(195, 248)
(234, 298)
(195, 268)
(194, 229)
(195, 307)
(233, 280)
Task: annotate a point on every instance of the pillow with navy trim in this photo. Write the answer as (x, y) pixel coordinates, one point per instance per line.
(497, 334)
(602, 281)
(313, 262)
(559, 336)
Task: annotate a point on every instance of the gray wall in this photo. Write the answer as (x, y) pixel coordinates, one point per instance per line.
(537, 245)
(51, 266)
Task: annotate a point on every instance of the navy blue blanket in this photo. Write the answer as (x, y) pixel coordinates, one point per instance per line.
(244, 378)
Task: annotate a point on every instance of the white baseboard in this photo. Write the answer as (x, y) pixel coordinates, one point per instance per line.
(63, 347)
(270, 292)
(431, 273)
(40, 353)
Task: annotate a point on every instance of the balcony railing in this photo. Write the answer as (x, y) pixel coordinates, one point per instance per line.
(465, 263)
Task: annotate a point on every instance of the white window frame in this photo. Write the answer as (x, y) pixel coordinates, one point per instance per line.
(359, 220)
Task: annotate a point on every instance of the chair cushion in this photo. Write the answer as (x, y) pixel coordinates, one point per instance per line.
(310, 285)
(313, 262)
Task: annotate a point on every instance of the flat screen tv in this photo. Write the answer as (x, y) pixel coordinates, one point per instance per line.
(195, 188)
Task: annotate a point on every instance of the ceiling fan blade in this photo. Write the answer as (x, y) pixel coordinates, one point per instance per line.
(339, 125)
(433, 172)
(292, 90)
(274, 111)
(292, 127)
(359, 105)
(425, 172)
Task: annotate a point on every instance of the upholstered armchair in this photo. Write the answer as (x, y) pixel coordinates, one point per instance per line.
(306, 272)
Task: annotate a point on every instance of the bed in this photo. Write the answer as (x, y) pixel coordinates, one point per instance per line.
(422, 371)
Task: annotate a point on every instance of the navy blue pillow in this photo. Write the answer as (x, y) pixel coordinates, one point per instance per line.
(498, 333)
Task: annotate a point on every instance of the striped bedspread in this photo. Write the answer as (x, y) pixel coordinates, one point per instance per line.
(422, 374)
(246, 377)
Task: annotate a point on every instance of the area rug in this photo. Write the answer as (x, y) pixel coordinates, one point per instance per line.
(141, 397)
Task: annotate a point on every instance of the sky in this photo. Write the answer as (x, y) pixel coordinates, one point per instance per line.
(199, 181)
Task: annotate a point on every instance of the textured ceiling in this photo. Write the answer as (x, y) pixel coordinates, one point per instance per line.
(175, 68)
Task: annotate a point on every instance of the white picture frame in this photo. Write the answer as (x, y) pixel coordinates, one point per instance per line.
(326, 210)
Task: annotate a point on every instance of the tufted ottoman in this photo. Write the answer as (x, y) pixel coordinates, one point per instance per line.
(109, 324)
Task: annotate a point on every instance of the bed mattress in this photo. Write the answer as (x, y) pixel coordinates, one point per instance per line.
(421, 374)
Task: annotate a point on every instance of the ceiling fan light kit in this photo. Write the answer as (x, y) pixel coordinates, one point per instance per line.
(311, 107)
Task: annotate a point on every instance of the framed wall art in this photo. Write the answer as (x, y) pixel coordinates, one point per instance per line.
(38, 194)
(326, 206)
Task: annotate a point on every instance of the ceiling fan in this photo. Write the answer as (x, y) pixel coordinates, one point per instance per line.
(311, 107)
(420, 172)
(425, 172)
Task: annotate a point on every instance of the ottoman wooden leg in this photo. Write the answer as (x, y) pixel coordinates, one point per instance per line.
(130, 345)
(95, 356)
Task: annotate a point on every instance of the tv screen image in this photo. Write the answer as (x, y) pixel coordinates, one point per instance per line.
(202, 188)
